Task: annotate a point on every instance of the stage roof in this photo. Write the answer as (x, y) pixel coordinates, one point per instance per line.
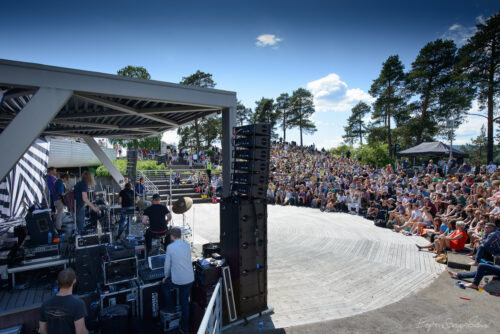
(105, 105)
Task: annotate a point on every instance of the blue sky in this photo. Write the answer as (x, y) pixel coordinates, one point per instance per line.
(335, 49)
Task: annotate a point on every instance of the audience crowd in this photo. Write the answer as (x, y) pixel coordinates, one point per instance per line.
(453, 204)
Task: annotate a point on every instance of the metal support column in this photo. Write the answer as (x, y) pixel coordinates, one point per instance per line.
(29, 123)
(228, 122)
(115, 173)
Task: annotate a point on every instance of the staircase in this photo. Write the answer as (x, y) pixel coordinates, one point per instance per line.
(162, 180)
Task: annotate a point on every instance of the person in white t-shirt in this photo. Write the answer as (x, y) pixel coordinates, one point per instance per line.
(491, 168)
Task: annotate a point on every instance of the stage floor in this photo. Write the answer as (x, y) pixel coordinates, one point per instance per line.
(325, 266)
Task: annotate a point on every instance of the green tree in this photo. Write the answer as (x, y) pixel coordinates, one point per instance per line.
(212, 129)
(243, 114)
(374, 154)
(265, 112)
(283, 107)
(356, 128)
(389, 91)
(302, 108)
(479, 64)
(137, 72)
(198, 79)
(429, 77)
(477, 149)
(153, 142)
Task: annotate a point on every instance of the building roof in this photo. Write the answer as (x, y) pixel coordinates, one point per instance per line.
(431, 149)
(105, 105)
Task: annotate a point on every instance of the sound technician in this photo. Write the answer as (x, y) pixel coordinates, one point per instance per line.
(159, 216)
(178, 274)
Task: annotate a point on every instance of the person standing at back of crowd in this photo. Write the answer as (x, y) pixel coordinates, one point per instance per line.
(81, 199)
(209, 168)
(60, 191)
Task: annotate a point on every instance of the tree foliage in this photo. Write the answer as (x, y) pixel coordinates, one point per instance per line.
(200, 130)
(356, 128)
(374, 154)
(389, 91)
(153, 142)
(431, 80)
(243, 114)
(479, 66)
(283, 107)
(137, 72)
(302, 108)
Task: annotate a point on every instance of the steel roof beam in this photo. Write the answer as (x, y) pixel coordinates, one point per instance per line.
(29, 123)
(123, 108)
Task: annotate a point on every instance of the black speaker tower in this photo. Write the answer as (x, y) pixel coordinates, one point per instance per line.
(243, 228)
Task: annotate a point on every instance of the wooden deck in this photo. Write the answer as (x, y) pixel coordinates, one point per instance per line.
(326, 266)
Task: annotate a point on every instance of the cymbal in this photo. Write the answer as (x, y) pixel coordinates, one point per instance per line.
(182, 205)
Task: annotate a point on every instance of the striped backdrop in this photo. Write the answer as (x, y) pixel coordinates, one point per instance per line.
(26, 181)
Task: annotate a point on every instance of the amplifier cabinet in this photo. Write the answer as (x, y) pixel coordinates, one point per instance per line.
(127, 296)
(90, 240)
(119, 271)
(88, 268)
(152, 300)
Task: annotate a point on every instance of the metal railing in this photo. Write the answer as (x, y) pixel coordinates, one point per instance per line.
(151, 188)
(212, 320)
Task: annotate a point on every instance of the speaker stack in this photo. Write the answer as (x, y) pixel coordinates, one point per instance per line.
(243, 237)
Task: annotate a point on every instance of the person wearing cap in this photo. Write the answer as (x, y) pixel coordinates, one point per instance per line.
(490, 246)
(158, 216)
(178, 274)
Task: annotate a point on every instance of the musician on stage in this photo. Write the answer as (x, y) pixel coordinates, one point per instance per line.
(81, 198)
(159, 216)
(127, 198)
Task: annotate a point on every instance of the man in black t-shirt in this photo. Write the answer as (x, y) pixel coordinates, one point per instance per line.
(63, 313)
(159, 216)
(127, 198)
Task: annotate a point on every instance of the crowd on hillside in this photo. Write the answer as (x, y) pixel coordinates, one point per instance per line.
(452, 203)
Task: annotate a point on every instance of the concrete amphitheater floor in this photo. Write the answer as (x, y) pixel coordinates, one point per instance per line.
(338, 273)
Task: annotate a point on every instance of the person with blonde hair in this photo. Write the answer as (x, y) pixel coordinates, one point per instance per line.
(81, 199)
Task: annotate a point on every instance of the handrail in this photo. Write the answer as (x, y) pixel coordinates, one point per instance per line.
(150, 186)
(212, 319)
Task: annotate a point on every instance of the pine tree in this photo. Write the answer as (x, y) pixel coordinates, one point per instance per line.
(243, 114)
(356, 128)
(479, 65)
(265, 112)
(389, 91)
(283, 107)
(302, 108)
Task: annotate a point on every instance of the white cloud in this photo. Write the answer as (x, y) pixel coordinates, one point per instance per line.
(471, 126)
(333, 94)
(460, 34)
(268, 40)
(480, 19)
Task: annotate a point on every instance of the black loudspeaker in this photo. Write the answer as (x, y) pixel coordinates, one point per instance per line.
(39, 225)
(243, 242)
(253, 141)
(250, 178)
(253, 190)
(251, 166)
(88, 268)
(261, 129)
(252, 154)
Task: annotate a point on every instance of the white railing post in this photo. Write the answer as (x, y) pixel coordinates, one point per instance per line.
(212, 319)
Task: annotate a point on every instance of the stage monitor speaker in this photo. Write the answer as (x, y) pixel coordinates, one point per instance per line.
(252, 142)
(243, 240)
(252, 154)
(261, 129)
(39, 224)
(88, 268)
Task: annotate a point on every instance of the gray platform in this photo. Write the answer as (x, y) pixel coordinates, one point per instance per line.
(325, 266)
